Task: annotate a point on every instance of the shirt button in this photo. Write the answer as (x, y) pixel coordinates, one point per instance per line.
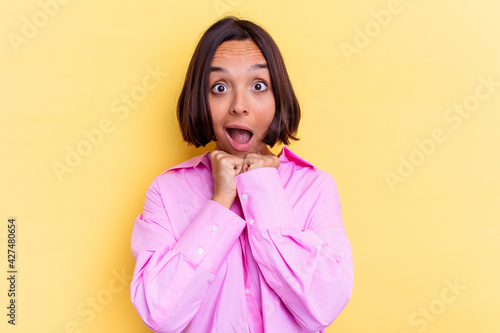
(199, 250)
(214, 228)
(247, 291)
(244, 196)
(251, 222)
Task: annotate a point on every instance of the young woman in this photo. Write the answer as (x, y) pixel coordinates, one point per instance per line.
(240, 240)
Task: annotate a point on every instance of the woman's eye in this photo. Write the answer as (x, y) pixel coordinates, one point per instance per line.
(260, 86)
(219, 88)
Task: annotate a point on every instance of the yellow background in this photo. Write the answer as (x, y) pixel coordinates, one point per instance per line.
(362, 112)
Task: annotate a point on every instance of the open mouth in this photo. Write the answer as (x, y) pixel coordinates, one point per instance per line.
(239, 135)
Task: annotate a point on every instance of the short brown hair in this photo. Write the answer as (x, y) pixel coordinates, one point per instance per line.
(193, 111)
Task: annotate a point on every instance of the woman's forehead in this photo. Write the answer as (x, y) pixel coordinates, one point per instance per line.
(237, 48)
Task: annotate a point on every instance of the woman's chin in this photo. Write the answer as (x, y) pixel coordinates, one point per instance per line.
(238, 151)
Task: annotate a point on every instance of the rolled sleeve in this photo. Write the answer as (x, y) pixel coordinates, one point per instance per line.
(209, 238)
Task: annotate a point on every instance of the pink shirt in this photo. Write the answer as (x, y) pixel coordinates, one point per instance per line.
(278, 261)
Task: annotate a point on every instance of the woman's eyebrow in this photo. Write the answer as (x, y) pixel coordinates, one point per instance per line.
(258, 66)
(218, 69)
(252, 68)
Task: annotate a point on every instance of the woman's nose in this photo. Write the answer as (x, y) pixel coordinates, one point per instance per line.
(240, 103)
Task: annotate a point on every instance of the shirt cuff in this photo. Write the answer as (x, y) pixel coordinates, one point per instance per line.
(209, 238)
(263, 200)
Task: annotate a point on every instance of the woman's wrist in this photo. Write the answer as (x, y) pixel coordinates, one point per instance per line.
(224, 201)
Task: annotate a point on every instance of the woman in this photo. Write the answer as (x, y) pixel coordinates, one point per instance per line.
(240, 240)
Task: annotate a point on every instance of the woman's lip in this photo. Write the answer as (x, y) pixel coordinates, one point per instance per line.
(243, 127)
(240, 146)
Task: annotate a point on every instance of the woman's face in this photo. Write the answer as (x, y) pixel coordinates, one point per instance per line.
(240, 98)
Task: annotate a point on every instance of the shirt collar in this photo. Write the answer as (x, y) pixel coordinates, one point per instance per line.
(193, 162)
(286, 155)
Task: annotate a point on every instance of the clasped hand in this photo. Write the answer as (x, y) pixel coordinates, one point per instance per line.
(226, 166)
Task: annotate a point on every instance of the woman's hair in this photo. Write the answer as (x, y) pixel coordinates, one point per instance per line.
(193, 112)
